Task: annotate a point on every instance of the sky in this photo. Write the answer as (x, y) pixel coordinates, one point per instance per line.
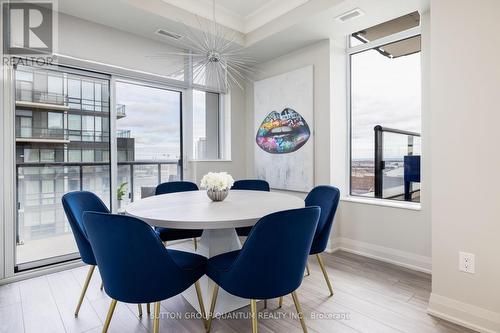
(153, 118)
(385, 92)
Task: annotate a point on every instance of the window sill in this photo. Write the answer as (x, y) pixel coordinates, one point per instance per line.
(197, 161)
(384, 203)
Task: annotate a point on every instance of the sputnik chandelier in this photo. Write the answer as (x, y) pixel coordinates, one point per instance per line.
(217, 60)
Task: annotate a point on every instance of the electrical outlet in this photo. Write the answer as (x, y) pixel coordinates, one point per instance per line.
(466, 262)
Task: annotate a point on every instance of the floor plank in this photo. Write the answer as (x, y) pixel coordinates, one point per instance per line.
(370, 296)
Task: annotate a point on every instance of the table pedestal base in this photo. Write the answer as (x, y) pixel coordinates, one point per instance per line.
(214, 242)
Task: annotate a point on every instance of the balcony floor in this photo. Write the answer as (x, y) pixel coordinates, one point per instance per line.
(49, 247)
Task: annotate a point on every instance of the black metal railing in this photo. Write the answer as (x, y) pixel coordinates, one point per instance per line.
(406, 148)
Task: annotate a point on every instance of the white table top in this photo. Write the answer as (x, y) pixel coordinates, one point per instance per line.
(194, 210)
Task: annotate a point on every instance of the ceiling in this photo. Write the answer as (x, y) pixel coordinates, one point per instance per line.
(241, 15)
(273, 28)
(243, 7)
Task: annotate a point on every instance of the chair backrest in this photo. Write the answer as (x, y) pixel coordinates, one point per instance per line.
(177, 186)
(75, 204)
(134, 265)
(326, 197)
(251, 184)
(273, 258)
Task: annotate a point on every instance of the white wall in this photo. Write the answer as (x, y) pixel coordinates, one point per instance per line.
(392, 234)
(465, 84)
(318, 55)
(95, 42)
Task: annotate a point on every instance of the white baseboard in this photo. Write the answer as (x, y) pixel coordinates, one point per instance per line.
(393, 256)
(464, 314)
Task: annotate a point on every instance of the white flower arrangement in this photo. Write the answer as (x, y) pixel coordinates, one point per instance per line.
(217, 181)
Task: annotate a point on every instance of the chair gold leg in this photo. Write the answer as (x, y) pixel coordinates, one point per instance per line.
(280, 302)
(84, 289)
(307, 269)
(299, 311)
(102, 286)
(148, 309)
(200, 301)
(195, 243)
(325, 274)
(253, 307)
(212, 307)
(156, 322)
(139, 307)
(109, 316)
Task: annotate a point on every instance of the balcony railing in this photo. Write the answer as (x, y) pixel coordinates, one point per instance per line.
(397, 164)
(75, 103)
(120, 111)
(123, 134)
(27, 132)
(33, 96)
(41, 186)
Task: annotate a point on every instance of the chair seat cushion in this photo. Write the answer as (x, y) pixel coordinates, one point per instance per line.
(187, 260)
(243, 231)
(218, 265)
(169, 234)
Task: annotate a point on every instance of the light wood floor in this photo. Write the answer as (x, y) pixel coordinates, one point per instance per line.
(371, 295)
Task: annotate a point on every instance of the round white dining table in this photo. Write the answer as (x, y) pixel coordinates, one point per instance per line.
(194, 210)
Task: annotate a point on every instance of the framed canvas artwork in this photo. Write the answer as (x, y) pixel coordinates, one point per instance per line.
(283, 124)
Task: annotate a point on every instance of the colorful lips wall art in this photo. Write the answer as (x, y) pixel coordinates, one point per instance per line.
(282, 133)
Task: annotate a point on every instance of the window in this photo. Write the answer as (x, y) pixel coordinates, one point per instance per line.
(206, 117)
(88, 128)
(48, 165)
(148, 137)
(74, 155)
(385, 101)
(75, 127)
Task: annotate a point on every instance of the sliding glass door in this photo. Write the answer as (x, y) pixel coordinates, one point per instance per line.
(62, 145)
(148, 134)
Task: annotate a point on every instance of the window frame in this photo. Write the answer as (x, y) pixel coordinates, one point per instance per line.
(221, 153)
(350, 51)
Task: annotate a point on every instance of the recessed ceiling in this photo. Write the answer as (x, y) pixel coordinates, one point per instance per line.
(242, 8)
(241, 15)
(305, 24)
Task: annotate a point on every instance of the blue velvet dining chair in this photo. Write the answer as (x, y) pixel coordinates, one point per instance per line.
(136, 267)
(251, 185)
(278, 245)
(75, 204)
(326, 197)
(169, 234)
